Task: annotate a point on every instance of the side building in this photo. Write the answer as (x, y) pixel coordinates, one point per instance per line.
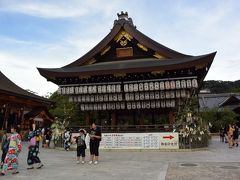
(129, 79)
(20, 107)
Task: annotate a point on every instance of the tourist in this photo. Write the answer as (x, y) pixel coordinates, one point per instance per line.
(81, 145)
(4, 147)
(235, 135)
(230, 135)
(67, 140)
(95, 138)
(33, 149)
(15, 147)
(48, 138)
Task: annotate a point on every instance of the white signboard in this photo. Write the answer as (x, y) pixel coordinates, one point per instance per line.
(139, 141)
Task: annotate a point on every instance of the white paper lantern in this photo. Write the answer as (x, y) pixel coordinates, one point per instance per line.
(99, 88)
(79, 99)
(142, 96)
(194, 83)
(105, 97)
(115, 97)
(168, 103)
(189, 83)
(127, 96)
(183, 93)
(90, 89)
(183, 84)
(140, 87)
(188, 95)
(83, 98)
(167, 85)
(172, 103)
(156, 86)
(137, 96)
(113, 88)
(104, 89)
(146, 87)
(94, 89)
(126, 88)
(92, 98)
(95, 107)
(118, 106)
(71, 90)
(82, 107)
(67, 90)
(138, 105)
(146, 95)
(162, 85)
(120, 97)
(122, 105)
(130, 87)
(151, 86)
(104, 106)
(135, 87)
(129, 106)
(59, 90)
(90, 107)
(131, 97)
(118, 88)
(152, 95)
(113, 106)
(100, 97)
(148, 104)
(87, 98)
(178, 94)
(167, 94)
(76, 90)
(96, 98)
(162, 94)
(85, 89)
(153, 105)
(110, 97)
(80, 90)
(109, 88)
(163, 104)
(178, 84)
(172, 84)
(157, 95)
(158, 104)
(86, 107)
(134, 105)
(99, 106)
(172, 94)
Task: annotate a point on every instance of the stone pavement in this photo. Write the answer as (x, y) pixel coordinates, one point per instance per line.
(218, 162)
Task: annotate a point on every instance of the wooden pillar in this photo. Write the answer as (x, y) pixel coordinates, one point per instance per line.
(171, 117)
(87, 118)
(113, 118)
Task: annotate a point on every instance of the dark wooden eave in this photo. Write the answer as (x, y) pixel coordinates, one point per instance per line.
(137, 65)
(9, 88)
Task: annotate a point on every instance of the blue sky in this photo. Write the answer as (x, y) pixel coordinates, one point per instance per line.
(53, 33)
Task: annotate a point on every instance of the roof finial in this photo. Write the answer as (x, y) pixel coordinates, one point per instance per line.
(123, 16)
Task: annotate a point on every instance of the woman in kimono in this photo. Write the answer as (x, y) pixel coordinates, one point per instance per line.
(15, 147)
(33, 147)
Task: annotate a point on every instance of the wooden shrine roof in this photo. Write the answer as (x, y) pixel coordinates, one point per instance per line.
(9, 88)
(139, 54)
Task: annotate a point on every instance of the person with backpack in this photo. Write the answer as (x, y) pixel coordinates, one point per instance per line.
(81, 145)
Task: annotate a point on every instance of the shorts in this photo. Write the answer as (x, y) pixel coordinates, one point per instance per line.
(80, 151)
(94, 146)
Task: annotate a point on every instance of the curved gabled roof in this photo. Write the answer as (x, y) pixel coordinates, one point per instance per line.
(8, 87)
(126, 25)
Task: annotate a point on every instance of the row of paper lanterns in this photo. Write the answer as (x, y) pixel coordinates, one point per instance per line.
(129, 87)
(129, 105)
(139, 96)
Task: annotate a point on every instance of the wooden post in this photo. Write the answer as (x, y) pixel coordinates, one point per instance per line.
(113, 118)
(87, 118)
(171, 117)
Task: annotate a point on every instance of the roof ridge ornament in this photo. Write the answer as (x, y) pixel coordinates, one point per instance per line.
(123, 16)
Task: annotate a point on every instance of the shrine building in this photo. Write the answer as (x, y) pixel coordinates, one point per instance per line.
(130, 79)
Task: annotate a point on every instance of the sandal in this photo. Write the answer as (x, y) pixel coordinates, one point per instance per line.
(39, 167)
(30, 168)
(15, 172)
